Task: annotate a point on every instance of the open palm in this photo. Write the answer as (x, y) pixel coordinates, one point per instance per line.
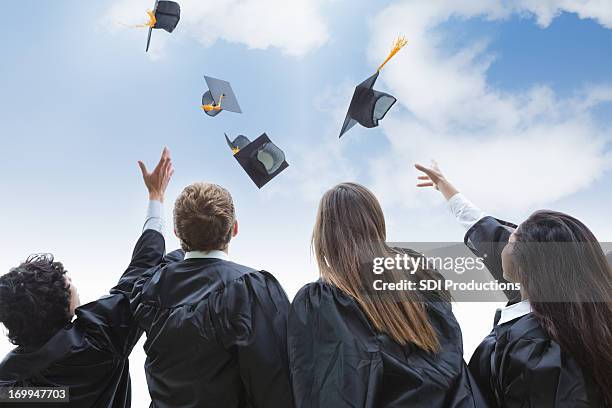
(157, 181)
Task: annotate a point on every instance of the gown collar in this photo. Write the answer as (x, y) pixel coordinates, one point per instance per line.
(514, 311)
(207, 254)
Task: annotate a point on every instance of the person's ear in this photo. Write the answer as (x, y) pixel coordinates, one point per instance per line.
(235, 229)
(509, 267)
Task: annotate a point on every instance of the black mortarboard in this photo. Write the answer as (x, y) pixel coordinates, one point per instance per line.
(261, 159)
(368, 105)
(165, 16)
(219, 97)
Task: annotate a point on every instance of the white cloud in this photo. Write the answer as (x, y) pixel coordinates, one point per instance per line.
(509, 150)
(546, 10)
(505, 172)
(325, 163)
(296, 27)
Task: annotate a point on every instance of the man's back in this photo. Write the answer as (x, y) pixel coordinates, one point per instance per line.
(216, 336)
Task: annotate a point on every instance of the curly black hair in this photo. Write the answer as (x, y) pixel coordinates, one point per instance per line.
(34, 300)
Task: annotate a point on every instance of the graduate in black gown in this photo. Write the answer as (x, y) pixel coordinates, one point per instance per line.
(352, 347)
(551, 346)
(216, 330)
(62, 344)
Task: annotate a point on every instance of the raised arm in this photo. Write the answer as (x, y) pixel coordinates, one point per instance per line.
(466, 213)
(432, 177)
(109, 320)
(150, 249)
(486, 236)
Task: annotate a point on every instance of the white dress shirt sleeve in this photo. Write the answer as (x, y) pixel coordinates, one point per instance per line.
(467, 214)
(155, 217)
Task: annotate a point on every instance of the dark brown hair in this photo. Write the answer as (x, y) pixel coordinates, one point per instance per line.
(569, 284)
(350, 232)
(204, 217)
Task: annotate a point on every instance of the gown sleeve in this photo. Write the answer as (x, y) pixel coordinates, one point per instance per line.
(534, 373)
(486, 239)
(250, 319)
(148, 253)
(479, 369)
(334, 357)
(109, 321)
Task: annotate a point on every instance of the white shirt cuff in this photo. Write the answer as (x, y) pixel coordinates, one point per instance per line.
(466, 213)
(155, 217)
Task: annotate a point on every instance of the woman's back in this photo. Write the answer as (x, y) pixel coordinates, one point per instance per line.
(519, 365)
(338, 359)
(351, 345)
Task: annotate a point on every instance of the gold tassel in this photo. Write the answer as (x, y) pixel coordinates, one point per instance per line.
(149, 24)
(152, 20)
(216, 107)
(398, 44)
(235, 150)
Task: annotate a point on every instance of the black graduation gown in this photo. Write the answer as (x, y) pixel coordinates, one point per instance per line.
(90, 355)
(216, 336)
(338, 360)
(517, 364)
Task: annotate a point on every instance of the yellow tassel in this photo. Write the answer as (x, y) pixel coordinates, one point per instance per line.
(211, 107)
(215, 107)
(235, 150)
(152, 20)
(397, 45)
(149, 24)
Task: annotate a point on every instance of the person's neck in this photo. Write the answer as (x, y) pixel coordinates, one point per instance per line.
(226, 250)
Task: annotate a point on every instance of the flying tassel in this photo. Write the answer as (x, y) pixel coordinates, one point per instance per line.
(215, 106)
(235, 150)
(398, 44)
(152, 20)
(149, 24)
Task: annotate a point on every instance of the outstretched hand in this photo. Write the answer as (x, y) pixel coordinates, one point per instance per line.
(433, 177)
(157, 181)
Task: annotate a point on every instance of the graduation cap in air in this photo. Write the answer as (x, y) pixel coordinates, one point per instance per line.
(368, 106)
(219, 97)
(261, 159)
(165, 16)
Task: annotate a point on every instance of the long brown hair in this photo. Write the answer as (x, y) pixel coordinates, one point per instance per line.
(350, 232)
(569, 284)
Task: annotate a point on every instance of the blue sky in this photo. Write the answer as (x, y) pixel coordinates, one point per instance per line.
(82, 103)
